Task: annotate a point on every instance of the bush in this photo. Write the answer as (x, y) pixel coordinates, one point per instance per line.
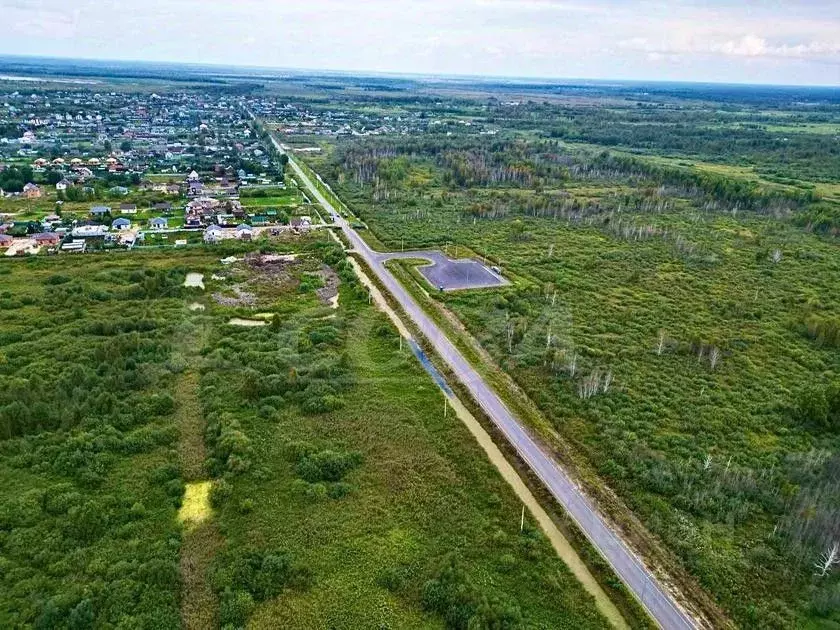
(819, 407)
(235, 607)
(220, 492)
(463, 606)
(327, 465)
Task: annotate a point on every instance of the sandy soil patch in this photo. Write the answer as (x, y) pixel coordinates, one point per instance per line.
(328, 294)
(194, 279)
(23, 246)
(238, 321)
(196, 505)
(239, 297)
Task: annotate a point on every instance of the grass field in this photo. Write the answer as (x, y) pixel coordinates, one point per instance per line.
(341, 496)
(674, 349)
(419, 499)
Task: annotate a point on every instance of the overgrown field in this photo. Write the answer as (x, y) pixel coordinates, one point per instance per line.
(336, 471)
(340, 495)
(90, 482)
(677, 326)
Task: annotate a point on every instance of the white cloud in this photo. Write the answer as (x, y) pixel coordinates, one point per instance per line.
(750, 46)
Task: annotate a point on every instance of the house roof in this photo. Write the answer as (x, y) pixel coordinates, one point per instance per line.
(47, 236)
(121, 221)
(158, 220)
(100, 209)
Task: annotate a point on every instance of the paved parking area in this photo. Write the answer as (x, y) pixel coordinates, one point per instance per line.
(448, 274)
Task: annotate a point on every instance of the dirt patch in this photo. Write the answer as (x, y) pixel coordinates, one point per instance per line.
(199, 605)
(195, 507)
(328, 294)
(240, 297)
(191, 450)
(238, 321)
(195, 280)
(195, 306)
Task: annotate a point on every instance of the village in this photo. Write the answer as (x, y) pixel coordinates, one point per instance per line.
(83, 172)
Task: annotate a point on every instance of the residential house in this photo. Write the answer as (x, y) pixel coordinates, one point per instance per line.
(193, 177)
(164, 206)
(47, 239)
(298, 224)
(244, 232)
(121, 224)
(118, 190)
(32, 191)
(89, 231)
(5, 241)
(83, 174)
(213, 234)
(100, 211)
(50, 220)
(158, 223)
(128, 208)
(63, 185)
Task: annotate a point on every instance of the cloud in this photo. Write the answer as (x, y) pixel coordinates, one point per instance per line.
(747, 46)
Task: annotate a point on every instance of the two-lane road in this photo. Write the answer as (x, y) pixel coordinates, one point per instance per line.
(658, 601)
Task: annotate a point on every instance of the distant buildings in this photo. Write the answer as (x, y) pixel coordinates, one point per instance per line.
(47, 239)
(32, 191)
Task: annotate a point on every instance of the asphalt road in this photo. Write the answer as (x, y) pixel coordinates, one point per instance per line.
(659, 603)
(450, 274)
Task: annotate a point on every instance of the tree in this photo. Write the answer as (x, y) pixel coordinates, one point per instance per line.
(828, 560)
(53, 177)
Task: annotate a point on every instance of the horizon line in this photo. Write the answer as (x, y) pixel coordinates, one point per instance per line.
(420, 75)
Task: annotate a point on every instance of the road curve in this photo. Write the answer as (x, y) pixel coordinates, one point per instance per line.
(659, 602)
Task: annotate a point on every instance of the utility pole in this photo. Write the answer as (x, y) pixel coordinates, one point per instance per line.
(522, 520)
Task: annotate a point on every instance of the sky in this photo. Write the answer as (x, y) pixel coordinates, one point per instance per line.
(730, 41)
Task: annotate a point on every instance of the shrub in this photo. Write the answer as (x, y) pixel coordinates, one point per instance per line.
(235, 607)
(463, 606)
(327, 465)
(220, 491)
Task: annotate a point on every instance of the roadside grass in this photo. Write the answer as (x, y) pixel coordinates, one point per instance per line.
(423, 495)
